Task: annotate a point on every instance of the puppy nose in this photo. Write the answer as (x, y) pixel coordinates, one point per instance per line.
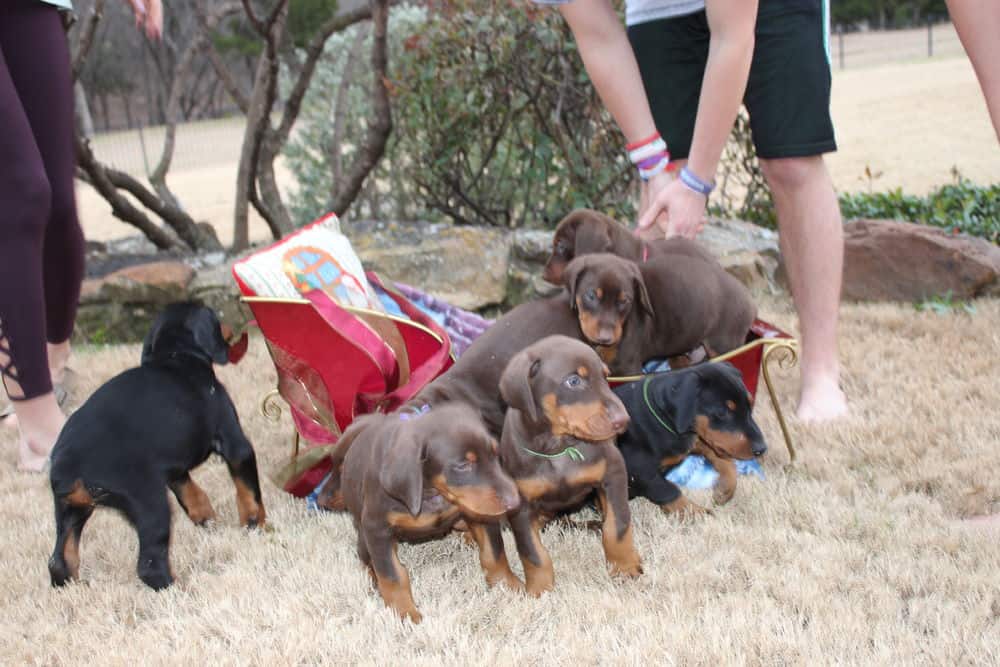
(605, 338)
(619, 420)
(758, 447)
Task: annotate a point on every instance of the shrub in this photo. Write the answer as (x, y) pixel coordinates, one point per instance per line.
(960, 206)
(495, 122)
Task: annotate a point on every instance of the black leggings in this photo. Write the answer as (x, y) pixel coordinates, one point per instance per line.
(41, 243)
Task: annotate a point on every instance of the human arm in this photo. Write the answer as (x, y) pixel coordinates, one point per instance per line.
(149, 15)
(611, 66)
(731, 23)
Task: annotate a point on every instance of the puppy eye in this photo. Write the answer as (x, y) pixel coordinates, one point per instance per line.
(591, 296)
(624, 304)
(562, 248)
(573, 381)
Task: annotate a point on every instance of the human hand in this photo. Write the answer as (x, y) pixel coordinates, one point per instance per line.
(676, 210)
(148, 15)
(649, 191)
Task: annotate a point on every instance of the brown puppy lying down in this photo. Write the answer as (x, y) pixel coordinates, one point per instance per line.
(692, 303)
(558, 444)
(475, 377)
(585, 232)
(410, 476)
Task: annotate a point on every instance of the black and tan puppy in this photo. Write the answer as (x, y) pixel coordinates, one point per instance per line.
(558, 445)
(142, 432)
(705, 409)
(410, 476)
(585, 232)
(683, 304)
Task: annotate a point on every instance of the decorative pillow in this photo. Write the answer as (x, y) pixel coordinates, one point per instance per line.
(317, 257)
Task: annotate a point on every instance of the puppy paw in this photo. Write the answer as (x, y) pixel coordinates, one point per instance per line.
(536, 590)
(411, 615)
(722, 494)
(507, 580)
(631, 569)
(684, 509)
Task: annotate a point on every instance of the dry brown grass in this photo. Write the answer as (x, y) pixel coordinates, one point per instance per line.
(853, 555)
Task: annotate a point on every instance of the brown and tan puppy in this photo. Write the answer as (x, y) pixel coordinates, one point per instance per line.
(684, 304)
(585, 232)
(410, 476)
(604, 292)
(558, 444)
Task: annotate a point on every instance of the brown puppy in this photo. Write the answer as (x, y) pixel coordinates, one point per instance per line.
(585, 232)
(410, 476)
(558, 444)
(684, 304)
(604, 291)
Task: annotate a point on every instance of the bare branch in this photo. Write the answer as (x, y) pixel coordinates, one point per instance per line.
(87, 31)
(221, 70)
(381, 125)
(313, 53)
(121, 207)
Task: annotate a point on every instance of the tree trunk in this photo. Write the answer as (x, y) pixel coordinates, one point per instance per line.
(380, 126)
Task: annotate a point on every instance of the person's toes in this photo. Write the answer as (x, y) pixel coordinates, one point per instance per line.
(822, 404)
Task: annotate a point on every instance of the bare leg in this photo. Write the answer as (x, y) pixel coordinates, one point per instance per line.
(978, 25)
(812, 245)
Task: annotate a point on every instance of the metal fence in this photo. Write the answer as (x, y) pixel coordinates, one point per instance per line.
(870, 48)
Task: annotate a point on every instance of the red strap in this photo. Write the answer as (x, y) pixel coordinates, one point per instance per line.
(432, 366)
(352, 328)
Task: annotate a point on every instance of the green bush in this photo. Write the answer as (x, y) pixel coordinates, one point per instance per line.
(494, 122)
(960, 206)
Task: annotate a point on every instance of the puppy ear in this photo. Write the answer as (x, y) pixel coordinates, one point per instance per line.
(207, 331)
(515, 384)
(572, 276)
(149, 343)
(639, 285)
(683, 396)
(563, 250)
(402, 473)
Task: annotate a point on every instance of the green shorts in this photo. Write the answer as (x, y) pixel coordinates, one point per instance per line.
(788, 91)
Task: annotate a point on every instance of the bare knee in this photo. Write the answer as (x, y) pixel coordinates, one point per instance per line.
(792, 173)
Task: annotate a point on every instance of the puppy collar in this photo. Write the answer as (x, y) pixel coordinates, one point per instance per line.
(649, 405)
(573, 453)
(414, 412)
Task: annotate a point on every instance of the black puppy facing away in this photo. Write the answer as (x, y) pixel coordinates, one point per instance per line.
(143, 431)
(704, 409)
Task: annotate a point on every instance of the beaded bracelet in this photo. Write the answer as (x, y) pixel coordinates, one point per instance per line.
(649, 155)
(689, 179)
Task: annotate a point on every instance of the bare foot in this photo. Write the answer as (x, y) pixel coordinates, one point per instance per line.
(40, 420)
(821, 401)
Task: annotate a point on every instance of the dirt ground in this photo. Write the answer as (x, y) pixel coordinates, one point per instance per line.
(852, 555)
(909, 122)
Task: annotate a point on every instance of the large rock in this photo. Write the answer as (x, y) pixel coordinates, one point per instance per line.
(151, 283)
(530, 249)
(747, 251)
(465, 266)
(121, 305)
(886, 260)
